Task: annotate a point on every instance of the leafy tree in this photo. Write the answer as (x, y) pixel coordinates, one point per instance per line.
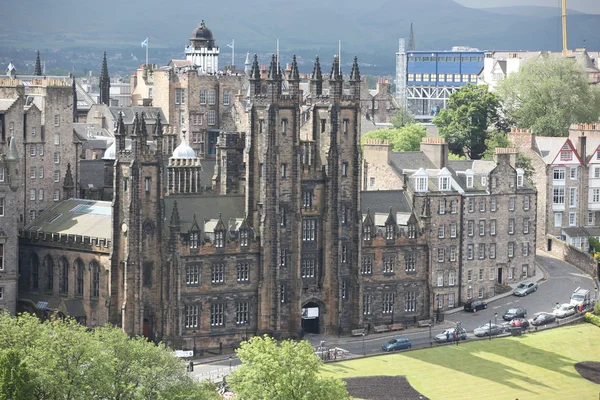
(407, 138)
(15, 377)
(402, 117)
(500, 139)
(452, 156)
(464, 124)
(282, 371)
(548, 94)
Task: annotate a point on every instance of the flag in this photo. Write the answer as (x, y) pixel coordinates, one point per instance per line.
(230, 44)
(145, 42)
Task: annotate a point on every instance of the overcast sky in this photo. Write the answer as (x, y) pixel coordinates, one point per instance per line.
(587, 6)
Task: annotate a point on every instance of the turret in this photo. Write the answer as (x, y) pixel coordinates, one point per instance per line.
(355, 79)
(294, 79)
(255, 78)
(316, 79)
(248, 65)
(158, 136)
(274, 78)
(335, 80)
(120, 134)
(104, 83)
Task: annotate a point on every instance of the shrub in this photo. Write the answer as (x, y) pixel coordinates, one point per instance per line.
(592, 319)
(597, 307)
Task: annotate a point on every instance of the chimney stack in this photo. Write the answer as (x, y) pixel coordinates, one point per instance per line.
(436, 149)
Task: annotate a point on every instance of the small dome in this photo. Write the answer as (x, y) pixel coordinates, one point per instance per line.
(184, 151)
(111, 152)
(202, 36)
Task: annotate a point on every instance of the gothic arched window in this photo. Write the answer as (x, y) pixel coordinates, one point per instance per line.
(95, 268)
(49, 273)
(79, 271)
(64, 276)
(34, 264)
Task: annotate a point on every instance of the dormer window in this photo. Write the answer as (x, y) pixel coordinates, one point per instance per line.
(520, 175)
(444, 183)
(598, 155)
(194, 240)
(469, 181)
(412, 231)
(219, 238)
(244, 238)
(421, 184)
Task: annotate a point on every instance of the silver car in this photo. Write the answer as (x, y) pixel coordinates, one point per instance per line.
(488, 329)
(564, 310)
(449, 336)
(524, 288)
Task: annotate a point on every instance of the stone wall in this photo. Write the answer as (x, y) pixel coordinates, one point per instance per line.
(572, 255)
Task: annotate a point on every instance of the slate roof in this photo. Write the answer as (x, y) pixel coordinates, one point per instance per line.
(548, 147)
(86, 132)
(205, 207)
(412, 160)
(380, 201)
(91, 172)
(5, 104)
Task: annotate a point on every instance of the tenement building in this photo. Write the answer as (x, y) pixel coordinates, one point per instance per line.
(479, 216)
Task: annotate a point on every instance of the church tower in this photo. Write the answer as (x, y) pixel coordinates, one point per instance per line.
(104, 83)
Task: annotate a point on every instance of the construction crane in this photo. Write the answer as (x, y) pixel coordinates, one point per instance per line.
(564, 27)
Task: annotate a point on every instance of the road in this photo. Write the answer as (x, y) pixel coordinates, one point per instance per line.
(561, 280)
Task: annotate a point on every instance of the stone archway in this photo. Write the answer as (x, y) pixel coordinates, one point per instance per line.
(312, 317)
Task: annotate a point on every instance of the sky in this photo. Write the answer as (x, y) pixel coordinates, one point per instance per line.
(587, 6)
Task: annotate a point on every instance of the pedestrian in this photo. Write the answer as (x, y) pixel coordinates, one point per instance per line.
(447, 336)
(368, 328)
(454, 335)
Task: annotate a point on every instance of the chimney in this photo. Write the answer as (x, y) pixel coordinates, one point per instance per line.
(508, 155)
(377, 151)
(582, 146)
(436, 149)
(522, 138)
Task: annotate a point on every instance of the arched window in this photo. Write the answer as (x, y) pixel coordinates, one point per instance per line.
(95, 268)
(64, 275)
(49, 273)
(79, 272)
(34, 265)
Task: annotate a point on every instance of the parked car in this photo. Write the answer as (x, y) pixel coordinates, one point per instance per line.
(522, 323)
(543, 318)
(488, 329)
(512, 313)
(524, 288)
(449, 336)
(580, 297)
(397, 344)
(475, 305)
(564, 310)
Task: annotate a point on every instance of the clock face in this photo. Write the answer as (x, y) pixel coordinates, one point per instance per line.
(124, 227)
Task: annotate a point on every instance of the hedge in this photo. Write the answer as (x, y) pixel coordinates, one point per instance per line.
(592, 319)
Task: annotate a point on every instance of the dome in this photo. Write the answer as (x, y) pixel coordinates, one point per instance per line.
(202, 36)
(111, 152)
(184, 151)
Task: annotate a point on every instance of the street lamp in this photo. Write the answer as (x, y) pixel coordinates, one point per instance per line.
(456, 332)
(490, 329)
(230, 358)
(495, 317)
(363, 344)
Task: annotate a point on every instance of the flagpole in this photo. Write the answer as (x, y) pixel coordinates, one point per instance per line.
(147, 42)
(340, 55)
(278, 51)
(232, 55)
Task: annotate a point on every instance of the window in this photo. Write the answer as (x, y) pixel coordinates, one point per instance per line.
(525, 225)
(469, 251)
(243, 272)
(226, 97)
(388, 303)
(367, 265)
(450, 300)
(440, 278)
(418, 77)
(411, 77)
(389, 232)
(469, 181)
(557, 220)
(421, 184)
(481, 248)
(344, 290)
(196, 119)
(596, 172)
(323, 125)
(558, 195)
(441, 77)
(56, 196)
(212, 117)
(241, 313)
(193, 240)
(590, 218)
(480, 293)
(40, 148)
(409, 261)
(32, 172)
(40, 194)
(442, 207)
(511, 249)
(191, 316)
(56, 176)
(307, 198)
(2, 174)
(470, 227)
(452, 253)
(481, 270)
(371, 181)
(481, 227)
(573, 197)
(217, 273)
(344, 169)
(482, 205)
(32, 214)
(448, 77)
(147, 184)
(192, 274)
(425, 77)
(441, 232)
(95, 279)
(511, 272)
(179, 96)
(211, 97)
(41, 172)
(309, 230)
(345, 126)
(220, 238)
(441, 254)
(511, 203)
(484, 180)
(56, 139)
(469, 293)
(31, 194)
(492, 250)
(344, 254)
(366, 304)
(493, 204)
(524, 270)
(32, 150)
(283, 257)
(451, 278)
(217, 312)
(471, 205)
(410, 302)
(566, 156)
(79, 269)
(388, 264)
(511, 226)
(56, 158)
(308, 268)
(573, 173)
(444, 183)
(453, 206)
(1, 206)
(526, 203)
(559, 174)
(595, 195)
(282, 293)
(244, 238)
(525, 249)
(412, 231)
(453, 230)
(469, 275)
(572, 219)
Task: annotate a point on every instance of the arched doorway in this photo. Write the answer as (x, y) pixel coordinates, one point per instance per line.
(311, 315)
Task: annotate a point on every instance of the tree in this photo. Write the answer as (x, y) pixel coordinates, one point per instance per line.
(548, 94)
(282, 371)
(15, 378)
(407, 138)
(500, 139)
(464, 124)
(402, 117)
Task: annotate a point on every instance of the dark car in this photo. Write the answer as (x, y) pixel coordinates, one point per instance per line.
(397, 344)
(511, 313)
(475, 305)
(522, 323)
(542, 319)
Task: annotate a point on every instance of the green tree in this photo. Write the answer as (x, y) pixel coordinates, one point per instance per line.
(464, 124)
(287, 370)
(407, 138)
(548, 94)
(500, 139)
(402, 117)
(15, 377)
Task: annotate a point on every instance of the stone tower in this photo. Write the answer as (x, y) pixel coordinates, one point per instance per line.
(104, 83)
(137, 277)
(303, 196)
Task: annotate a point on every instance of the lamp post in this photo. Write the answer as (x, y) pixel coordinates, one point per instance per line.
(363, 344)
(495, 317)
(456, 332)
(230, 358)
(490, 329)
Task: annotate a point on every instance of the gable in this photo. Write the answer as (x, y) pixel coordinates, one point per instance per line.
(567, 155)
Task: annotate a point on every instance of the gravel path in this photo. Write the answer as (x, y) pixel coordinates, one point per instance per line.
(382, 388)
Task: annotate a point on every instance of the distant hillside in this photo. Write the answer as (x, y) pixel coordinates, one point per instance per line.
(530, 11)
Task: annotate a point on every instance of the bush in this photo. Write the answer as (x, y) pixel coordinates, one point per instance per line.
(597, 308)
(592, 319)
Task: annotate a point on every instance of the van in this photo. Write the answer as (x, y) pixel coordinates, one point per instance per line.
(580, 296)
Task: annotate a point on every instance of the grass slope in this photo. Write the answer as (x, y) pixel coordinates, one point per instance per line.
(534, 366)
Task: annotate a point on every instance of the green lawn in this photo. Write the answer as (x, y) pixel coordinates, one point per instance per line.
(533, 366)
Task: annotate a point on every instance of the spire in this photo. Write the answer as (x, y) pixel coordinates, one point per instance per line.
(294, 75)
(274, 69)
(335, 70)
(143, 130)
(255, 73)
(247, 65)
(136, 125)
(38, 65)
(120, 128)
(411, 39)
(175, 216)
(68, 183)
(195, 226)
(355, 74)
(158, 129)
(317, 75)
(104, 83)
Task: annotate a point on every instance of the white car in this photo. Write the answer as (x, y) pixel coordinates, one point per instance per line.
(564, 310)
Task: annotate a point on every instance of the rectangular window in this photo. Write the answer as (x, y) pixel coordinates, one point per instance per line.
(309, 230)
(32, 150)
(511, 272)
(344, 290)
(480, 293)
(217, 273)
(344, 169)
(452, 253)
(40, 194)
(220, 238)
(367, 265)
(372, 181)
(558, 195)
(493, 204)
(573, 197)
(56, 176)
(244, 238)
(345, 126)
(526, 204)
(511, 226)
(41, 172)
(32, 172)
(388, 264)
(282, 293)
(32, 194)
(241, 313)
(226, 98)
(595, 195)
(558, 220)
(191, 316)
(243, 272)
(448, 77)
(469, 293)
(323, 125)
(525, 249)
(388, 303)
(283, 257)
(511, 204)
(566, 155)
(192, 274)
(309, 268)
(56, 196)
(525, 225)
(572, 219)
(470, 227)
(453, 206)
(559, 174)
(202, 96)
(453, 230)
(482, 205)
(441, 232)
(590, 218)
(469, 251)
(410, 302)
(56, 120)
(307, 198)
(481, 248)
(493, 250)
(284, 126)
(344, 255)
(1, 206)
(211, 97)
(481, 274)
(471, 205)
(440, 278)
(573, 173)
(596, 172)
(32, 214)
(411, 77)
(212, 117)
(40, 149)
(442, 207)
(524, 270)
(511, 249)
(2, 176)
(451, 278)
(469, 275)
(179, 96)
(441, 77)
(193, 240)
(441, 254)
(147, 184)
(217, 313)
(56, 139)
(482, 227)
(410, 262)
(450, 300)
(366, 304)
(56, 158)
